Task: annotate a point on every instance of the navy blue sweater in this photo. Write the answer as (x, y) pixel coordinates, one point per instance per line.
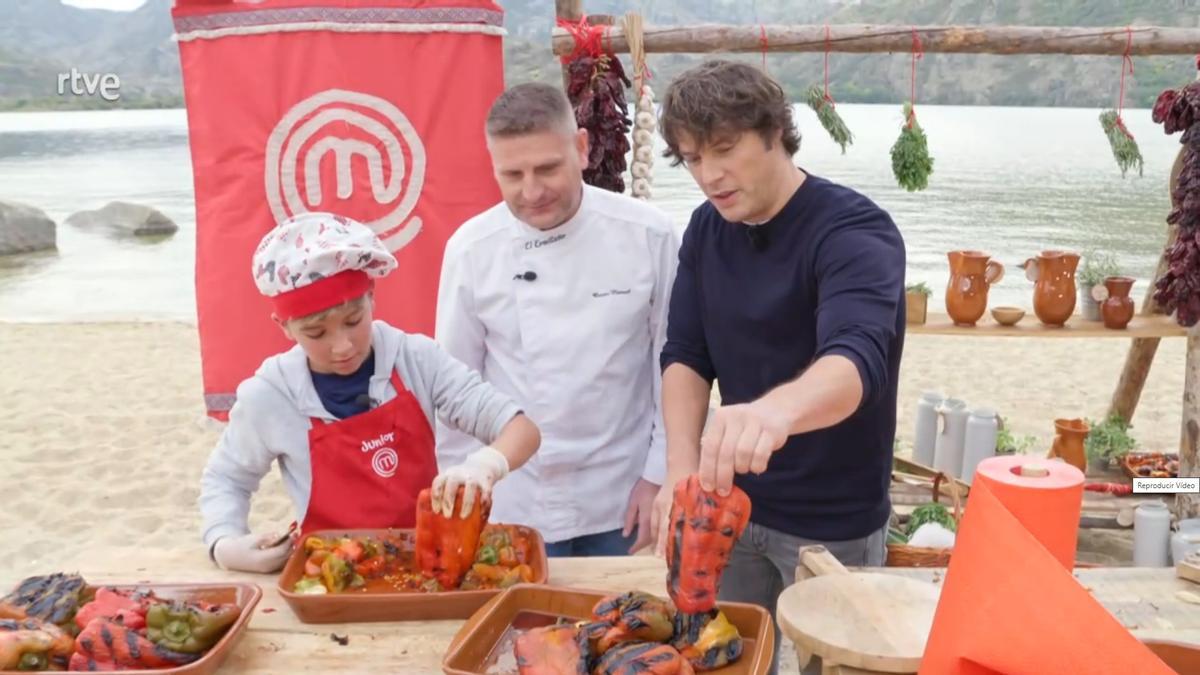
(830, 280)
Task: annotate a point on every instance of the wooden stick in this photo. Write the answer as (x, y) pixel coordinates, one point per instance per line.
(866, 38)
(567, 10)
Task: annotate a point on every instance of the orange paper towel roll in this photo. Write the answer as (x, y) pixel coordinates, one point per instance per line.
(1045, 496)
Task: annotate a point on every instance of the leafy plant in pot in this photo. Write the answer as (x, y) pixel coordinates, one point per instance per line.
(916, 297)
(1096, 268)
(1107, 441)
(1008, 443)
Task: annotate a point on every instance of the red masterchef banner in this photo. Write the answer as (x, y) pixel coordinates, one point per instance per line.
(373, 109)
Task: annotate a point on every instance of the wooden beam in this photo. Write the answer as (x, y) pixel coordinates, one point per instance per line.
(567, 10)
(868, 38)
(1142, 350)
(1187, 505)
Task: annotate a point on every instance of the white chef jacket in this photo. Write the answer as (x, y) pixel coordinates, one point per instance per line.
(576, 345)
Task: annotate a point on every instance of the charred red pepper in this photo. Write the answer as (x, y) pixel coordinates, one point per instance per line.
(128, 608)
(32, 644)
(704, 527)
(643, 658)
(633, 617)
(707, 639)
(108, 645)
(53, 598)
(445, 547)
(552, 650)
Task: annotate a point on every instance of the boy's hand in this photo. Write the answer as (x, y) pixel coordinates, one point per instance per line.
(479, 472)
(252, 553)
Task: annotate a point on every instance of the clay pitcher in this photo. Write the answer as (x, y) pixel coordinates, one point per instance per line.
(1117, 308)
(1068, 442)
(1053, 274)
(971, 275)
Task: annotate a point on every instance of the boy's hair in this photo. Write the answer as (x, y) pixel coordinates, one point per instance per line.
(529, 108)
(320, 316)
(719, 97)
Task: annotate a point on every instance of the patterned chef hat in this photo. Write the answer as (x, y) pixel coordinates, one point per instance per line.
(315, 261)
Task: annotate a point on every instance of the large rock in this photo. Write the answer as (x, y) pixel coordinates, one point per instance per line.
(24, 228)
(126, 218)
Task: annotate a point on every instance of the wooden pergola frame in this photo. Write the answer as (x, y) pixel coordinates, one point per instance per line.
(862, 38)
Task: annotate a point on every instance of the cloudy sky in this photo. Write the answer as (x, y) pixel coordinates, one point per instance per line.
(106, 4)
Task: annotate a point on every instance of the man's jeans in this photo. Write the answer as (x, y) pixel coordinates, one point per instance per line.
(611, 543)
(763, 563)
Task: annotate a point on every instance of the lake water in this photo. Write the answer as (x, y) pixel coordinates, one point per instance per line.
(1009, 181)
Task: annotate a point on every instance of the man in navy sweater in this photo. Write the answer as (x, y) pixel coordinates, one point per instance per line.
(789, 293)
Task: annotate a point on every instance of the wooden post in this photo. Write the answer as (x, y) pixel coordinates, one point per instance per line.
(567, 10)
(864, 38)
(1188, 505)
(1141, 352)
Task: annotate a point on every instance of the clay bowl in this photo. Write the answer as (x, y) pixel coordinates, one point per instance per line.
(1007, 316)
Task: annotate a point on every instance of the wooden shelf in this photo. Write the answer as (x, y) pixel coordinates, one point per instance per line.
(1157, 326)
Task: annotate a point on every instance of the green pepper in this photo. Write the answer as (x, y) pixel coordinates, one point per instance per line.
(336, 573)
(31, 661)
(183, 628)
(487, 555)
(309, 586)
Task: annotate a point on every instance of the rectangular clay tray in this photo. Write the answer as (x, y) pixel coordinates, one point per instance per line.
(245, 596)
(483, 645)
(360, 607)
(1124, 461)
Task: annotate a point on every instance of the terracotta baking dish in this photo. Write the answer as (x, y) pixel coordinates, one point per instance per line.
(483, 646)
(246, 596)
(359, 607)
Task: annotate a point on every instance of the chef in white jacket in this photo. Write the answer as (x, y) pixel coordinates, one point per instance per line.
(558, 296)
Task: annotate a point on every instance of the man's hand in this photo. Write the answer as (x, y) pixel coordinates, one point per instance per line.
(638, 511)
(740, 438)
(253, 552)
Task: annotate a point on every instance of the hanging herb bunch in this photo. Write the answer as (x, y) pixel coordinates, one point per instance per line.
(1124, 147)
(828, 115)
(911, 162)
(597, 92)
(1178, 290)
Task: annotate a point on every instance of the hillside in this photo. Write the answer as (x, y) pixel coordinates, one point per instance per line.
(40, 38)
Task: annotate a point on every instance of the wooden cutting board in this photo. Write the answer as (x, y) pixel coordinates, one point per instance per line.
(865, 620)
(1189, 568)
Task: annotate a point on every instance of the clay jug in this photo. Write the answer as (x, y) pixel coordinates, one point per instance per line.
(1068, 442)
(1117, 308)
(971, 275)
(1053, 274)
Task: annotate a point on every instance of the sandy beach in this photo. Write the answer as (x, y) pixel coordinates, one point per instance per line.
(103, 436)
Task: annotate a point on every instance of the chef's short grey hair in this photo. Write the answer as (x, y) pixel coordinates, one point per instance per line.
(530, 108)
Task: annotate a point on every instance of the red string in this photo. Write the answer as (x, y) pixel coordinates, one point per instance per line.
(588, 38)
(917, 52)
(827, 96)
(762, 40)
(1126, 64)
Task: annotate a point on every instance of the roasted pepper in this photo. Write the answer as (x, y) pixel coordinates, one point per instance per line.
(310, 586)
(552, 650)
(707, 639)
(32, 645)
(127, 608)
(337, 573)
(182, 628)
(642, 658)
(53, 598)
(633, 617)
(704, 527)
(446, 547)
(107, 645)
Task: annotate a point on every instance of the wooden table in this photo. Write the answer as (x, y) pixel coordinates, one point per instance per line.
(1145, 600)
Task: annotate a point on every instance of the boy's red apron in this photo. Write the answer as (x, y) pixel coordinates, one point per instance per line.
(373, 109)
(367, 470)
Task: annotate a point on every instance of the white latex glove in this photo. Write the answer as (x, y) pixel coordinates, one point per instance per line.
(252, 553)
(478, 473)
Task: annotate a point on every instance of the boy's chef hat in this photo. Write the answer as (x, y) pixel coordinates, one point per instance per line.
(314, 261)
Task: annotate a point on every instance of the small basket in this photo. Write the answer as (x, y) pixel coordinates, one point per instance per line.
(903, 555)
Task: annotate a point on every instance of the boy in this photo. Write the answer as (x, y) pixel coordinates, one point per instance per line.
(349, 411)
